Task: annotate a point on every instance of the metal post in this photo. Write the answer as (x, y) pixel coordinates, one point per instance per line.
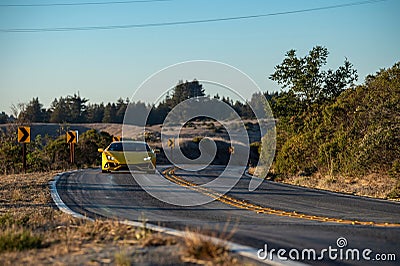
(72, 153)
(24, 156)
(172, 155)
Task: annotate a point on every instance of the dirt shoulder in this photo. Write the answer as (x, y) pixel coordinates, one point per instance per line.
(33, 231)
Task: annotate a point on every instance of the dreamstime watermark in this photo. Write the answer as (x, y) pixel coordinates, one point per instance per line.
(229, 81)
(339, 252)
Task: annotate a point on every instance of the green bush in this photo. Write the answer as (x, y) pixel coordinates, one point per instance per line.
(395, 169)
(58, 153)
(86, 150)
(293, 156)
(36, 158)
(7, 220)
(395, 193)
(17, 241)
(10, 152)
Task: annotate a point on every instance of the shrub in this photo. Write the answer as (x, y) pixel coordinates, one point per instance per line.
(11, 240)
(58, 152)
(86, 149)
(10, 152)
(295, 155)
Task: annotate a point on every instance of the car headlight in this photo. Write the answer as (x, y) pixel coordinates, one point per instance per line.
(110, 158)
(147, 158)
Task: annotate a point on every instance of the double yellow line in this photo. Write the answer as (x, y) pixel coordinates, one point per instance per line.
(170, 175)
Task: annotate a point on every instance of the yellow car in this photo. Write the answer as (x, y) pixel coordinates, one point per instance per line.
(128, 155)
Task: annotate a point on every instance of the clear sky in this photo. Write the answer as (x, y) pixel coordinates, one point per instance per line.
(104, 65)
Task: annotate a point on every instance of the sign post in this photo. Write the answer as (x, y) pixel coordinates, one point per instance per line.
(72, 138)
(171, 144)
(24, 136)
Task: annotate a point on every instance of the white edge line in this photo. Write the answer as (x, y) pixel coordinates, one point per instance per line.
(242, 250)
(58, 201)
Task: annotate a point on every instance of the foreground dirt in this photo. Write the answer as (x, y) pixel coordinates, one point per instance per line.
(33, 231)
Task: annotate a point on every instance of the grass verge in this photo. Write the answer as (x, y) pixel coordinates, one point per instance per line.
(372, 185)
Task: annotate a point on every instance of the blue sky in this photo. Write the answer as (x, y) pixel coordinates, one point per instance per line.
(104, 65)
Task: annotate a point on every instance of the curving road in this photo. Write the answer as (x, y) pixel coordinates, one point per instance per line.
(94, 194)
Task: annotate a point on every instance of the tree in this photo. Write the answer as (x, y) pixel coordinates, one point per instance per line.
(59, 111)
(121, 109)
(158, 114)
(71, 109)
(95, 113)
(305, 78)
(186, 90)
(227, 101)
(182, 91)
(110, 112)
(33, 112)
(243, 110)
(77, 108)
(285, 104)
(3, 118)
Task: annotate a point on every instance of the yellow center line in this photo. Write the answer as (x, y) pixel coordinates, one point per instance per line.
(241, 204)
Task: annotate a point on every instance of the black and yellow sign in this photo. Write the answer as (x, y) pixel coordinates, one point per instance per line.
(72, 137)
(116, 138)
(24, 134)
(231, 150)
(171, 143)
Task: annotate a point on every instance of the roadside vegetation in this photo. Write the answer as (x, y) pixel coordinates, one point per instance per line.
(46, 153)
(335, 135)
(199, 249)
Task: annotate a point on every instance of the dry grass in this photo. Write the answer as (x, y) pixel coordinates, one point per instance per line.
(199, 247)
(256, 171)
(157, 239)
(201, 250)
(372, 185)
(122, 258)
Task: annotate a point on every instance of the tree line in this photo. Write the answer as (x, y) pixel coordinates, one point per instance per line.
(72, 109)
(76, 109)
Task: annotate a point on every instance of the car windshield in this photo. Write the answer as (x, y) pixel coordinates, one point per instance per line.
(129, 146)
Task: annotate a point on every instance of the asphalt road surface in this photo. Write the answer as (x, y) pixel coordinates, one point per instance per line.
(118, 195)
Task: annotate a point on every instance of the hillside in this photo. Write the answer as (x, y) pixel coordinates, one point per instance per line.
(354, 136)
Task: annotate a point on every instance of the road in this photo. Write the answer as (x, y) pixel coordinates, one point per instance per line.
(94, 194)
